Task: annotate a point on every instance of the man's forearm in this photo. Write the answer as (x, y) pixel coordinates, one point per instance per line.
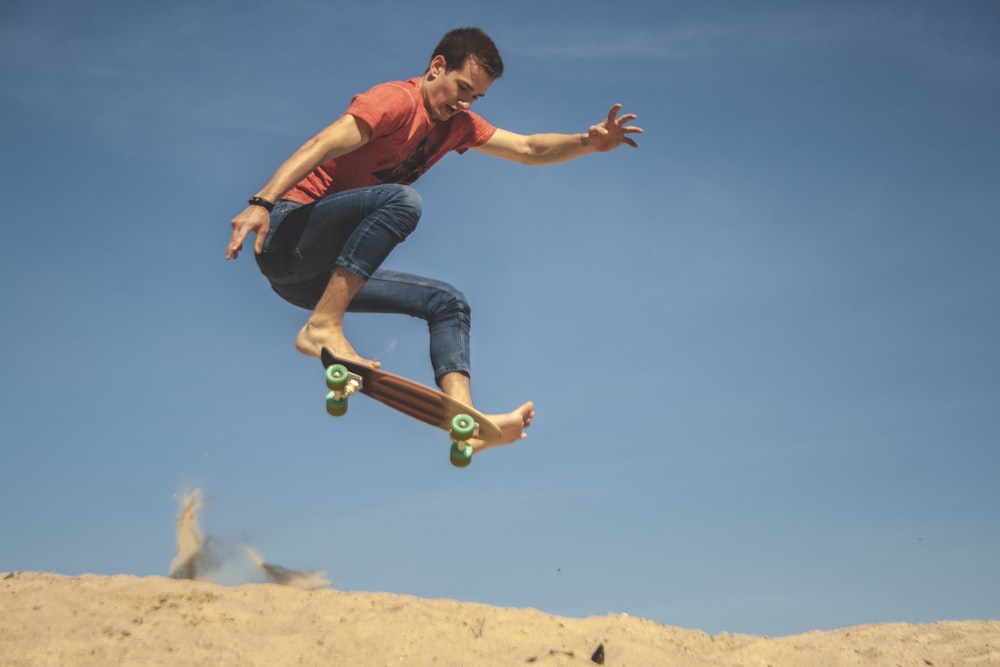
(555, 148)
(292, 171)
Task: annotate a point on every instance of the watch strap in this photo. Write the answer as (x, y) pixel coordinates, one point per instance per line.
(260, 201)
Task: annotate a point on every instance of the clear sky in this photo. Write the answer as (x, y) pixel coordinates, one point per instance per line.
(763, 347)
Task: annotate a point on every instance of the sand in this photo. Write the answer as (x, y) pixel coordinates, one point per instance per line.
(297, 618)
(50, 619)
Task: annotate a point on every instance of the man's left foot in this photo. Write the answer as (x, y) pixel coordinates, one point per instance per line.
(512, 426)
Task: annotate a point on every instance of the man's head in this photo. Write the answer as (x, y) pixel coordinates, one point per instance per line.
(460, 44)
(463, 66)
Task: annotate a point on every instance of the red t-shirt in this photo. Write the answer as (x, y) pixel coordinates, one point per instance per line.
(405, 142)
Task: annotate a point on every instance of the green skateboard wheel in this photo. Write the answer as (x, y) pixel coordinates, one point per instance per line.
(334, 406)
(337, 377)
(461, 454)
(462, 427)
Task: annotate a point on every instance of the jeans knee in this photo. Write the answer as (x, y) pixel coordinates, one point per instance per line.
(410, 198)
(407, 206)
(448, 303)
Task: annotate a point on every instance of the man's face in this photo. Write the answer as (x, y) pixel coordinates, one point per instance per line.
(449, 93)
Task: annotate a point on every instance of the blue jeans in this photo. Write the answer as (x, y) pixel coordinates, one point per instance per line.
(356, 230)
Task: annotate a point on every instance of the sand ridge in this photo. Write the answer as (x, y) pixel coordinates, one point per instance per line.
(50, 619)
(191, 618)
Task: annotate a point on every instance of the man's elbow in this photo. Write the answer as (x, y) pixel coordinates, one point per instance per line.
(532, 153)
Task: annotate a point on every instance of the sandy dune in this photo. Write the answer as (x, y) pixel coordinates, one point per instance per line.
(298, 619)
(48, 619)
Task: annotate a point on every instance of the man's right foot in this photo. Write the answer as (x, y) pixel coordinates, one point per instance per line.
(313, 338)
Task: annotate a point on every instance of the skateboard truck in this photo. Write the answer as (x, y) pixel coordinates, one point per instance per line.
(341, 383)
(463, 427)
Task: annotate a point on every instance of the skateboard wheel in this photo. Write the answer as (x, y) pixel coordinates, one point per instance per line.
(461, 454)
(463, 427)
(334, 406)
(337, 377)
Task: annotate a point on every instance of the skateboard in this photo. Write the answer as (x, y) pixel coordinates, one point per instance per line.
(344, 378)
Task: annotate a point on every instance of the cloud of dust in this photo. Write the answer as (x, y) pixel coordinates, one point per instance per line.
(190, 541)
(209, 559)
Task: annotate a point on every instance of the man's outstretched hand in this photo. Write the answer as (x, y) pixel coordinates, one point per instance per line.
(613, 131)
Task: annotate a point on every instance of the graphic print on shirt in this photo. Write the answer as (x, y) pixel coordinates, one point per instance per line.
(409, 170)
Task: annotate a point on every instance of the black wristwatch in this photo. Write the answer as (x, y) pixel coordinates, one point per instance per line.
(260, 201)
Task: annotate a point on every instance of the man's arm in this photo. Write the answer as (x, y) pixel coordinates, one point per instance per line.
(538, 149)
(344, 135)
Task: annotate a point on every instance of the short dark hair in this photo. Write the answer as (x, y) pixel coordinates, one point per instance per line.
(460, 44)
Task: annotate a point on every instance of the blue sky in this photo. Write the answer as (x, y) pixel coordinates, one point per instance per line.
(763, 347)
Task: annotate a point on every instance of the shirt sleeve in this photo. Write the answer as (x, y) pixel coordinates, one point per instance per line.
(384, 109)
(480, 131)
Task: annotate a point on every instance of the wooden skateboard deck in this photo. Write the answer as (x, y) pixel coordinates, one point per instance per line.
(413, 399)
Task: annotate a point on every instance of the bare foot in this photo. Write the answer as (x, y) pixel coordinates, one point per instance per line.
(512, 426)
(313, 338)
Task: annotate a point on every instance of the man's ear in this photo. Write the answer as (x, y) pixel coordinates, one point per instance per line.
(438, 66)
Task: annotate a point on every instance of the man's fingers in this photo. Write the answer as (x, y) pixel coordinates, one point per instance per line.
(235, 243)
(615, 108)
(627, 139)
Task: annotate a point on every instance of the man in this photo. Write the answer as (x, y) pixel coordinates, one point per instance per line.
(334, 210)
